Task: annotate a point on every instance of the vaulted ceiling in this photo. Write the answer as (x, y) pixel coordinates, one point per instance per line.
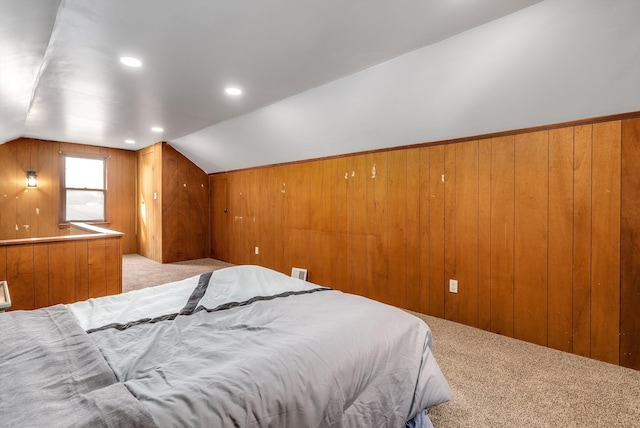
(309, 71)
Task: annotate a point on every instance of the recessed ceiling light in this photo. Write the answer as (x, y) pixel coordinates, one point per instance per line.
(233, 91)
(130, 61)
(130, 141)
(157, 129)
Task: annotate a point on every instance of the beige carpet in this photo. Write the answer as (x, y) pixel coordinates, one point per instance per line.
(140, 272)
(496, 381)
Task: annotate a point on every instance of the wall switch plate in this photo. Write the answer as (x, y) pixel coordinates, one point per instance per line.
(453, 285)
(257, 250)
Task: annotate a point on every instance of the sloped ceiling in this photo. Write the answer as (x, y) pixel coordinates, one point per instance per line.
(319, 78)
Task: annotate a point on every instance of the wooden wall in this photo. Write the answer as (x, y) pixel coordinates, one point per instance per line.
(185, 208)
(47, 273)
(173, 204)
(30, 213)
(528, 223)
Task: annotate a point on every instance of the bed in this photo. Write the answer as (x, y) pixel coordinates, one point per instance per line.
(241, 346)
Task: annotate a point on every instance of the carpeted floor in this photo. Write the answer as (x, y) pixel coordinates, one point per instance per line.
(496, 381)
(140, 272)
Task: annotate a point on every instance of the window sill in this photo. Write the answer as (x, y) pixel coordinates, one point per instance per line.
(95, 223)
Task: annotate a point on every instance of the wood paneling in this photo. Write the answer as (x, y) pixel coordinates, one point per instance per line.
(582, 240)
(436, 232)
(450, 299)
(379, 214)
(61, 271)
(219, 216)
(605, 242)
(423, 239)
(34, 213)
(329, 242)
(185, 208)
(560, 290)
(20, 274)
(466, 225)
(173, 200)
(413, 229)
(397, 234)
(484, 234)
(502, 234)
(529, 224)
(531, 237)
(629, 245)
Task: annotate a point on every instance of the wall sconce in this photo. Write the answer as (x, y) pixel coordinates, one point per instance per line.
(32, 179)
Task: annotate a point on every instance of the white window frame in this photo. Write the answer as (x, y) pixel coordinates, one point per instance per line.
(64, 188)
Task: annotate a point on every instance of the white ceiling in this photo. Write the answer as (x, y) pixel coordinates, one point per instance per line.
(320, 78)
(61, 79)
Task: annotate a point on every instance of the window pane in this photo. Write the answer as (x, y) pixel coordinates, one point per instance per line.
(85, 205)
(84, 173)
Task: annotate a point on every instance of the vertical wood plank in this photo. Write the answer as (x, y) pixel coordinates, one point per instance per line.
(113, 264)
(219, 217)
(358, 238)
(3, 263)
(23, 195)
(313, 238)
(484, 234)
(41, 287)
(451, 299)
(292, 221)
(466, 232)
(96, 257)
(605, 241)
(502, 234)
(436, 232)
(341, 225)
(20, 276)
(350, 232)
(379, 258)
(8, 165)
(413, 229)
(82, 270)
(424, 199)
(62, 272)
(329, 242)
(265, 195)
(252, 211)
(629, 245)
(560, 239)
(582, 154)
(46, 206)
(397, 233)
(279, 227)
(531, 237)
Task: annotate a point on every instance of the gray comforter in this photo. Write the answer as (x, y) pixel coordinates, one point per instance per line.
(243, 346)
(52, 374)
(311, 358)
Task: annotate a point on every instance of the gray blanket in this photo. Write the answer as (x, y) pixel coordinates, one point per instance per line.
(324, 359)
(52, 374)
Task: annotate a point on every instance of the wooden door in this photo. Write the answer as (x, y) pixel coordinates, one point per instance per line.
(219, 218)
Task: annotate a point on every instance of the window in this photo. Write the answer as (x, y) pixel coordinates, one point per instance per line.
(84, 195)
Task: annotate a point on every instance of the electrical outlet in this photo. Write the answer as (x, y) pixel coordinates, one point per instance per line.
(257, 250)
(453, 285)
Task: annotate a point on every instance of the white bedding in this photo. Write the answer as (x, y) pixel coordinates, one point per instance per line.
(250, 356)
